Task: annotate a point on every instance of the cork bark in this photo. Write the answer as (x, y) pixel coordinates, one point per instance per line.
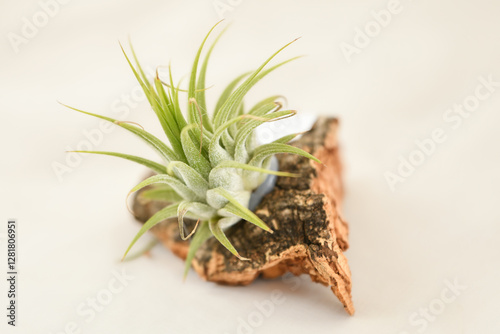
(310, 235)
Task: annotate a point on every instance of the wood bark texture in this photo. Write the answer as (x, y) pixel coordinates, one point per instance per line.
(310, 234)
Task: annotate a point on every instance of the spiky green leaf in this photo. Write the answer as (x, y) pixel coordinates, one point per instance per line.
(154, 166)
(174, 183)
(230, 106)
(165, 213)
(163, 194)
(189, 176)
(163, 150)
(202, 234)
(240, 210)
(193, 153)
(222, 238)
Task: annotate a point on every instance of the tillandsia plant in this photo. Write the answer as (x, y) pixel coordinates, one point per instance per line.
(213, 162)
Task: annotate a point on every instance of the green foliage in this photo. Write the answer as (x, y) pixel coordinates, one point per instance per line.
(212, 162)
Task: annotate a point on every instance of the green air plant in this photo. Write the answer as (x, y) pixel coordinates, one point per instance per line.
(213, 162)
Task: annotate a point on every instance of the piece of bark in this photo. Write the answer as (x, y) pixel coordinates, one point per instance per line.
(305, 214)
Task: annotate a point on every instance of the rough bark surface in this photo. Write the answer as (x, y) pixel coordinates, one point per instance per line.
(305, 213)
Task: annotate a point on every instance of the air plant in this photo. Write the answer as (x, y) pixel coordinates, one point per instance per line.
(213, 162)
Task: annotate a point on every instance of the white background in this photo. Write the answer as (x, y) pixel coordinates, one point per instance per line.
(442, 224)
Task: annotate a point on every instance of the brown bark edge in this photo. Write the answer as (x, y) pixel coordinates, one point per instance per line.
(309, 236)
